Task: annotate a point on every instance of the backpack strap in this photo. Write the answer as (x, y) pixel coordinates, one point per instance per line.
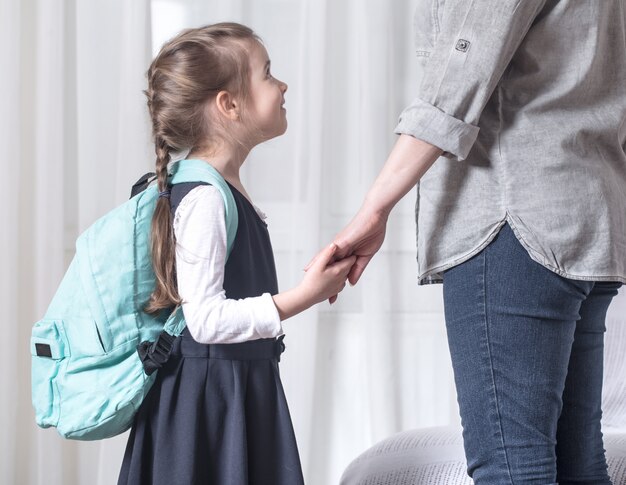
(154, 354)
(184, 171)
(142, 184)
(175, 324)
(200, 171)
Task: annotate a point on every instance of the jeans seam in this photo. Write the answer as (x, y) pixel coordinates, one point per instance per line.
(493, 380)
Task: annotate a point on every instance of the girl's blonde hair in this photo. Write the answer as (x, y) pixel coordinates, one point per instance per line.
(189, 70)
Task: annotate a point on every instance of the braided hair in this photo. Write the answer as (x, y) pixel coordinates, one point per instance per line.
(190, 70)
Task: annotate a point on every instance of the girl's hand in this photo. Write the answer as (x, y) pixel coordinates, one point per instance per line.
(325, 278)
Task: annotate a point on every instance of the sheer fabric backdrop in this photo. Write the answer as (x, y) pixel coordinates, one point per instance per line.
(74, 136)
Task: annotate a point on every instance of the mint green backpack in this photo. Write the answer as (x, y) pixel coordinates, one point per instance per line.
(95, 351)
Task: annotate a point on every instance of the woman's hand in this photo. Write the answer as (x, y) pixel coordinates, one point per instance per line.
(359, 241)
(324, 280)
(362, 238)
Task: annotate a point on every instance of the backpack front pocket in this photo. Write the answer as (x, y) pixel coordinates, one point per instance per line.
(48, 348)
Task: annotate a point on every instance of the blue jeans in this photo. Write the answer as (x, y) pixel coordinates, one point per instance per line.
(527, 351)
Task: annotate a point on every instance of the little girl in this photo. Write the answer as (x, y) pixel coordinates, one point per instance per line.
(217, 413)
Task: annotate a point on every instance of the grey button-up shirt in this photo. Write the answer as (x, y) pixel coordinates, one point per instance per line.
(527, 98)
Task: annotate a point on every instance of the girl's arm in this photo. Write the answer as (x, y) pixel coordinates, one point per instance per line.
(200, 260)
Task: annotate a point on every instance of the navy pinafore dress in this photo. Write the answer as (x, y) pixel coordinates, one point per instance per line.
(217, 414)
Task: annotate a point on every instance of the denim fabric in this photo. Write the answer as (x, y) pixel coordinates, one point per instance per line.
(527, 351)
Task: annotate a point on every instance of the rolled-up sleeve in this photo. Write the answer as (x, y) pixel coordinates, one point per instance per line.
(474, 45)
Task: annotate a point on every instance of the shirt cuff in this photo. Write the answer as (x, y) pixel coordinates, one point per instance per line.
(428, 123)
(268, 319)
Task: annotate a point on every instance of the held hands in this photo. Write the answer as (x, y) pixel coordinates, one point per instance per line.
(358, 242)
(363, 237)
(325, 278)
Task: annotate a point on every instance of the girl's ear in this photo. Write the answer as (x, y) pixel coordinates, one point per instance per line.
(227, 105)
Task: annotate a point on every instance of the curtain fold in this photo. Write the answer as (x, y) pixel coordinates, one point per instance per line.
(299, 371)
(10, 152)
(75, 136)
(72, 74)
(113, 52)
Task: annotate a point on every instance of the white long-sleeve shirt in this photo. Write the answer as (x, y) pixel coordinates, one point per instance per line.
(200, 231)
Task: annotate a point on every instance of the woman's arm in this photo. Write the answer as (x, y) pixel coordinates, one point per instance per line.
(408, 161)
(474, 47)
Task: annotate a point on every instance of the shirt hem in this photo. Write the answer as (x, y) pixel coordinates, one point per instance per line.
(435, 275)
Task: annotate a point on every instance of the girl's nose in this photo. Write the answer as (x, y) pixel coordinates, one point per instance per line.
(284, 87)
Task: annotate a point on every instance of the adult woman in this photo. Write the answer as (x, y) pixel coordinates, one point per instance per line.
(518, 140)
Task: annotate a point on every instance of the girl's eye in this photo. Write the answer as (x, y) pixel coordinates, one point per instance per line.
(268, 74)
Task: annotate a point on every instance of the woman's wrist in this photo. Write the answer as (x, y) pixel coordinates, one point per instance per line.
(375, 207)
(407, 162)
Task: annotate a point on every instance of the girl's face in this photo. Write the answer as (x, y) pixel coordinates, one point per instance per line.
(267, 96)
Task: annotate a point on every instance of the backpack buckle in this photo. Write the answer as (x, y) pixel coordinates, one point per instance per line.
(280, 346)
(154, 355)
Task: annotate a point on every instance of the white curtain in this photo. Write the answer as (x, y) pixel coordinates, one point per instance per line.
(74, 136)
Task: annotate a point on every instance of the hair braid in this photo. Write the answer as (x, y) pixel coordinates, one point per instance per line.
(189, 71)
(162, 241)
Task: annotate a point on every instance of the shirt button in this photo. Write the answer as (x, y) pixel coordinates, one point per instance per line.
(462, 45)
